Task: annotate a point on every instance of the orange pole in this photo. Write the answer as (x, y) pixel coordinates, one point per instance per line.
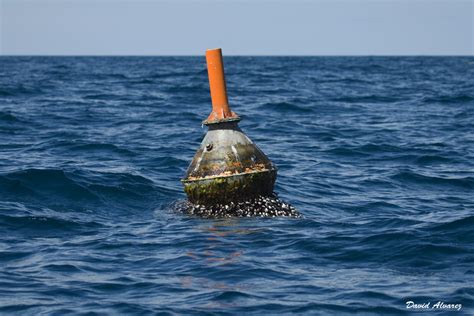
(215, 70)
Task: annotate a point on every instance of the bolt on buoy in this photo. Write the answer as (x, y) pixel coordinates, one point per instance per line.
(228, 166)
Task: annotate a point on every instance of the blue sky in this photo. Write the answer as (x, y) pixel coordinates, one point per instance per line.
(244, 27)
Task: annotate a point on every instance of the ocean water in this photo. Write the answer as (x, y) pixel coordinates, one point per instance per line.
(376, 153)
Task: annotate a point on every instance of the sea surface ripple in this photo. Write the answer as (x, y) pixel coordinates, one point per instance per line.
(376, 153)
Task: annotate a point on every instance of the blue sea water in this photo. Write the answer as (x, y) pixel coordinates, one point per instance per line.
(376, 153)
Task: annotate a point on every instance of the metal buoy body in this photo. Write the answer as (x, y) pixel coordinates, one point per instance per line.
(228, 166)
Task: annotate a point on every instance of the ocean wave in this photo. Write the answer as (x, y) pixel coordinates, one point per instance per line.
(433, 159)
(44, 182)
(286, 107)
(346, 152)
(418, 178)
(459, 229)
(367, 99)
(100, 148)
(380, 148)
(174, 74)
(59, 189)
(450, 99)
(143, 81)
(20, 90)
(45, 225)
(8, 117)
(103, 96)
(186, 89)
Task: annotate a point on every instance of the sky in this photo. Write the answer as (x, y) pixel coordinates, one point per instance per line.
(240, 27)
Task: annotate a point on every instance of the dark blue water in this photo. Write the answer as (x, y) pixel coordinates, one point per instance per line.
(376, 153)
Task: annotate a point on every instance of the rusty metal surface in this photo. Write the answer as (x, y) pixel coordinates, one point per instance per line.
(220, 104)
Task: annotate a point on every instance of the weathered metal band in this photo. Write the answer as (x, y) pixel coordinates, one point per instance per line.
(226, 176)
(224, 120)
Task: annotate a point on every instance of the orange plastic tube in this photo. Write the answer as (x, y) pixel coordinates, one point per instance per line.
(215, 70)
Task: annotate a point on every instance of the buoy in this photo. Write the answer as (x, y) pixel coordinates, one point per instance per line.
(228, 166)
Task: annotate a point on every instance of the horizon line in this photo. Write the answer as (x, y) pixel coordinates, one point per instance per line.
(238, 55)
